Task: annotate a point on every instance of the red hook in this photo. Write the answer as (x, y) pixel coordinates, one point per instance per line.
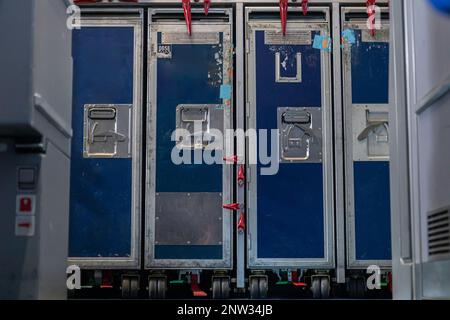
(305, 7)
(232, 206)
(371, 13)
(241, 223)
(241, 175)
(283, 15)
(187, 15)
(206, 5)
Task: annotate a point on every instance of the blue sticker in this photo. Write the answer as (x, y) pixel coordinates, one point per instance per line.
(225, 91)
(348, 36)
(322, 43)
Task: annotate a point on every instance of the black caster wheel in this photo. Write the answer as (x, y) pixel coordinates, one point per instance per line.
(263, 287)
(221, 288)
(126, 287)
(325, 288)
(134, 287)
(226, 288)
(356, 288)
(360, 288)
(162, 288)
(157, 288)
(259, 287)
(217, 288)
(254, 288)
(316, 288)
(130, 287)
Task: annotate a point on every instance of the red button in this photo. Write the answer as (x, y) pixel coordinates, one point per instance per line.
(25, 205)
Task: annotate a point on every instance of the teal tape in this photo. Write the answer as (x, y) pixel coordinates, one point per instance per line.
(225, 91)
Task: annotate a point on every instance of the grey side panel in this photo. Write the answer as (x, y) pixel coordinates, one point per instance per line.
(399, 172)
(53, 223)
(15, 91)
(33, 263)
(425, 82)
(35, 100)
(36, 82)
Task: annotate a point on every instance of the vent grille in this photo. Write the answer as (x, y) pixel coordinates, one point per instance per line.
(439, 234)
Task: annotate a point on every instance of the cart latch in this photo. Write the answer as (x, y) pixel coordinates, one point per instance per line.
(231, 159)
(241, 175)
(232, 206)
(241, 222)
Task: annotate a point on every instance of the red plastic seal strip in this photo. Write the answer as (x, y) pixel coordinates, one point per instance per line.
(187, 15)
(283, 15)
(305, 7)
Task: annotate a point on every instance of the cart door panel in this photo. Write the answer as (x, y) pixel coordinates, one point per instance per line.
(104, 202)
(366, 99)
(291, 211)
(187, 225)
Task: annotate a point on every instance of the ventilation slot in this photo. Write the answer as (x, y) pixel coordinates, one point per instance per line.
(439, 234)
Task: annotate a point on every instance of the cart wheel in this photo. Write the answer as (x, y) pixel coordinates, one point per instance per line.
(126, 287)
(325, 287)
(162, 288)
(153, 288)
(254, 288)
(134, 287)
(225, 288)
(360, 288)
(315, 288)
(263, 288)
(351, 288)
(217, 289)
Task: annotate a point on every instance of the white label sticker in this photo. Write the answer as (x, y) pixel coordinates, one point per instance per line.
(295, 37)
(25, 226)
(164, 51)
(26, 204)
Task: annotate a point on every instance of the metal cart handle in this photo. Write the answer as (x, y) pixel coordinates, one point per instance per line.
(365, 133)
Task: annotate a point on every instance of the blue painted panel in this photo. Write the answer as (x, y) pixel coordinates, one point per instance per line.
(372, 211)
(290, 204)
(290, 213)
(188, 252)
(191, 76)
(100, 199)
(370, 74)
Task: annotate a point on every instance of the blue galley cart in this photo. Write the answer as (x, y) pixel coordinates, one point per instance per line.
(189, 89)
(106, 147)
(290, 212)
(366, 98)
